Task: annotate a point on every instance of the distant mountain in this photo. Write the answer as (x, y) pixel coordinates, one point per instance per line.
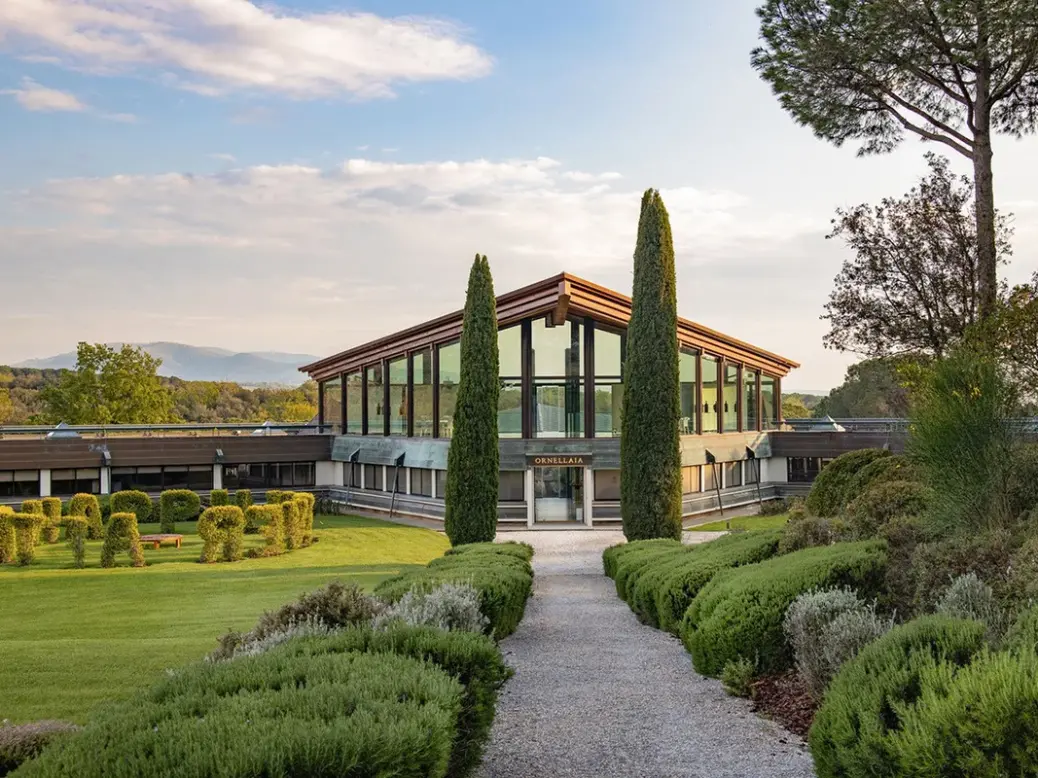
(200, 363)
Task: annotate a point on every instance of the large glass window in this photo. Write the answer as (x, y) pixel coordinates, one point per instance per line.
(607, 484)
(151, 478)
(450, 377)
(373, 478)
(688, 366)
(20, 483)
(511, 486)
(711, 476)
(690, 479)
(731, 398)
(510, 352)
(355, 403)
(331, 404)
(264, 476)
(441, 484)
(750, 400)
(376, 399)
(609, 387)
(398, 396)
(510, 408)
(732, 474)
(767, 398)
(710, 394)
(421, 482)
(422, 391)
(64, 483)
(558, 401)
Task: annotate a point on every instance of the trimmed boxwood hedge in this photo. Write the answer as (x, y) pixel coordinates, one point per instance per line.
(7, 535)
(739, 613)
(177, 505)
(831, 490)
(51, 530)
(512, 548)
(612, 556)
(88, 506)
(218, 498)
(132, 501)
(864, 708)
(502, 577)
(633, 565)
(280, 713)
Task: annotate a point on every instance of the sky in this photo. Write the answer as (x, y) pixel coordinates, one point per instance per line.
(310, 175)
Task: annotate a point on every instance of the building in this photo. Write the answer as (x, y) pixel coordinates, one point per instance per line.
(381, 438)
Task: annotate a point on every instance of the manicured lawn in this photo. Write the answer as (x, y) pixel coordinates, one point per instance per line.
(744, 522)
(70, 639)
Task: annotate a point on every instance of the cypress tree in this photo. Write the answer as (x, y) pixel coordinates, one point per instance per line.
(473, 459)
(650, 443)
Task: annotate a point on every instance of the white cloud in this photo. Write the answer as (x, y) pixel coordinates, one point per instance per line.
(224, 157)
(36, 97)
(211, 46)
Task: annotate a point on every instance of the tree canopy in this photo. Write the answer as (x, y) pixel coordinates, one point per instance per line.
(872, 389)
(950, 72)
(912, 285)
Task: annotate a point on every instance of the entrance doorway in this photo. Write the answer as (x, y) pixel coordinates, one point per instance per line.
(558, 494)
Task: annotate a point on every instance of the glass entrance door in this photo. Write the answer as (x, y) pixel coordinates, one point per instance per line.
(558, 494)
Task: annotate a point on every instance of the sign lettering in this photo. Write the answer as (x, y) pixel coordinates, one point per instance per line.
(559, 460)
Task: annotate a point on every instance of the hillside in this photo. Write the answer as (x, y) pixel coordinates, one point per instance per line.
(199, 363)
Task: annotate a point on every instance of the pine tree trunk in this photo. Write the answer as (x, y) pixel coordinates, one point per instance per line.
(987, 255)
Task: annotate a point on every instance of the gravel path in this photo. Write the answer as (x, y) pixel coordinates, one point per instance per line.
(598, 694)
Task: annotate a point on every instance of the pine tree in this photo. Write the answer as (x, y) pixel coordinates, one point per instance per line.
(650, 444)
(473, 459)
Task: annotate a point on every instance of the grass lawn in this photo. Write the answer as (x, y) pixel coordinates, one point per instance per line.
(71, 639)
(744, 522)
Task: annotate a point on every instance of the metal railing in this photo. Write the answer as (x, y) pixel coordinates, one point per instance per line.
(1019, 425)
(65, 431)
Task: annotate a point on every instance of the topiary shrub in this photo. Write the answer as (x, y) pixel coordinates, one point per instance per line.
(881, 502)
(32, 506)
(449, 606)
(7, 537)
(21, 742)
(218, 498)
(305, 505)
(122, 536)
(26, 531)
(632, 566)
(222, 530)
(896, 467)
(612, 556)
(51, 530)
(270, 521)
(76, 532)
(177, 505)
(810, 531)
(132, 501)
(510, 548)
(243, 499)
(290, 524)
(737, 677)
(970, 598)
(278, 496)
(864, 707)
(740, 612)
(87, 506)
(830, 491)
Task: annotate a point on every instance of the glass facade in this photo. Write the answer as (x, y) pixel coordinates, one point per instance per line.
(557, 368)
(421, 482)
(450, 377)
(768, 387)
(607, 485)
(375, 420)
(158, 479)
(265, 476)
(690, 479)
(731, 398)
(398, 397)
(732, 474)
(422, 392)
(331, 404)
(711, 381)
(688, 366)
(610, 353)
(711, 477)
(355, 403)
(65, 483)
(511, 486)
(19, 483)
(750, 400)
(374, 478)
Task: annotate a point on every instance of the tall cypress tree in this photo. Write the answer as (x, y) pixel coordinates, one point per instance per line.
(650, 443)
(473, 459)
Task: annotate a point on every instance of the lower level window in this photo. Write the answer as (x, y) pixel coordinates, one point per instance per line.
(711, 477)
(19, 483)
(374, 479)
(607, 485)
(441, 483)
(154, 478)
(65, 483)
(511, 486)
(732, 474)
(803, 470)
(271, 475)
(421, 482)
(690, 479)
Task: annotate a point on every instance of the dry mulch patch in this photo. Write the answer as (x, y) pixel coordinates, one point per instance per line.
(784, 698)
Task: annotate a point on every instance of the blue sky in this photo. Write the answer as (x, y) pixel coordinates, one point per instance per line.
(310, 175)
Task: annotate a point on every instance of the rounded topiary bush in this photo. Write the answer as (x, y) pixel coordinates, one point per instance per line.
(51, 530)
(896, 467)
(122, 536)
(87, 506)
(26, 531)
(883, 501)
(223, 530)
(243, 499)
(218, 498)
(132, 501)
(831, 490)
(7, 537)
(268, 519)
(853, 732)
(76, 533)
(177, 505)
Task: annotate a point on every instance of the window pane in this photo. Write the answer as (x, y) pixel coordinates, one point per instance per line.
(174, 477)
(373, 475)
(450, 376)
(607, 484)
(200, 478)
(710, 379)
(710, 475)
(767, 396)
(303, 474)
(609, 404)
(558, 409)
(398, 397)
(608, 353)
(351, 474)
(510, 409)
(510, 486)
(354, 403)
(688, 365)
(331, 407)
(731, 398)
(732, 474)
(373, 377)
(441, 483)
(423, 393)
(749, 399)
(510, 352)
(557, 350)
(690, 479)
(421, 482)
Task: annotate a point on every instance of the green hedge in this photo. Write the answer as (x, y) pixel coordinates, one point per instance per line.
(886, 500)
(243, 499)
(631, 567)
(278, 714)
(831, 490)
(26, 531)
(854, 730)
(177, 505)
(512, 548)
(896, 467)
(218, 498)
(502, 577)
(52, 527)
(7, 535)
(87, 506)
(122, 536)
(268, 520)
(21, 742)
(739, 613)
(223, 531)
(612, 556)
(132, 501)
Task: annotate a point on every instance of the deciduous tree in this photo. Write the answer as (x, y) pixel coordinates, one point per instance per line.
(872, 389)
(949, 71)
(650, 444)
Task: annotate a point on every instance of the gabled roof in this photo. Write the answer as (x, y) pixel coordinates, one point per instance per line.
(561, 296)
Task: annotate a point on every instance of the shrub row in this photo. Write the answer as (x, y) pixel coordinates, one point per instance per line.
(500, 572)
(739, 613)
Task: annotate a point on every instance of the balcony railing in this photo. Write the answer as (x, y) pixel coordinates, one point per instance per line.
(66, 431)
(1020, 425)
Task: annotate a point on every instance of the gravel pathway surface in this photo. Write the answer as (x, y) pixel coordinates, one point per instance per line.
(598, 694)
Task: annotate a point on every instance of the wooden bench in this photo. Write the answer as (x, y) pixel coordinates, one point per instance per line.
(158, 540)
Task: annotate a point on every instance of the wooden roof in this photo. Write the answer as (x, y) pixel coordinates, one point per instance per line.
(561, 296)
